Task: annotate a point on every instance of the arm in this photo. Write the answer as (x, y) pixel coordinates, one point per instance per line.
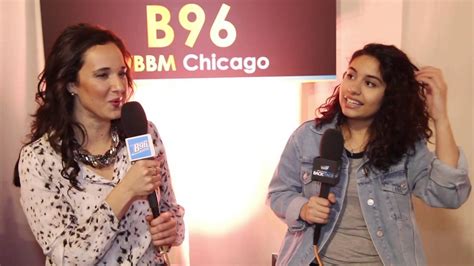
(53, 220)
(436, 183)
(436, 100)
(440, 179)
(285, 189)
(67, 231)
(141, 179)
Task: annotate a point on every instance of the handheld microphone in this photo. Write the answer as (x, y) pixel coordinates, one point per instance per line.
(326, 169)
(139, 142)
(140, 146)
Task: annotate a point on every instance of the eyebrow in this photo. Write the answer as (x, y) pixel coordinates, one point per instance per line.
(102, 69)
(108, 69)
(370, 76)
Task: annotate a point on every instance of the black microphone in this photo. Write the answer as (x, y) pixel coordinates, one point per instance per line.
(139, 142)
(140, 146)
(326, 167)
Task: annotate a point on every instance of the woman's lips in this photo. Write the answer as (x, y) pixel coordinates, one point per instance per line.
(116, 102)
(352, 103)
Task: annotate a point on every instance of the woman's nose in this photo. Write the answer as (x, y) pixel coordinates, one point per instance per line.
(354, 89)
(119, 84)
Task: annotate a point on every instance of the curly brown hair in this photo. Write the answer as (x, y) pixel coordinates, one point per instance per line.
(54, 115)
(403, 118)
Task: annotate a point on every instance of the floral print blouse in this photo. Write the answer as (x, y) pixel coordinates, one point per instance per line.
(78, 227)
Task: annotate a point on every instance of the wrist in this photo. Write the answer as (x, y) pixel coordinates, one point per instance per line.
(124, 192)
(441, 121)
(302, 215)
(119, 200)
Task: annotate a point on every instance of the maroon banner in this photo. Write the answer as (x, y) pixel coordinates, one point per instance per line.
(204, 39)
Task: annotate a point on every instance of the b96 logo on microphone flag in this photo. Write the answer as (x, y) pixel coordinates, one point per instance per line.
(140, 147)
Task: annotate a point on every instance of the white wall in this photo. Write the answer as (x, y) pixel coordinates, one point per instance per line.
(431, 32)
(18, 70)
(439, 33)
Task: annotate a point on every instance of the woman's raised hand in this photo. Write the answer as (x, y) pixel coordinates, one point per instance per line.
(436, 91)
(143, 177)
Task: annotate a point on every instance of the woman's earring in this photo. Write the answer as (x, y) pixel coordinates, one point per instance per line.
(70, 89)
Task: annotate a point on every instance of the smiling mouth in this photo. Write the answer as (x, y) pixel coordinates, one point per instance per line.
(352, 101)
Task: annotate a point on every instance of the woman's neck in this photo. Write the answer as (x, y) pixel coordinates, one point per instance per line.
(98, 137)
(356, 136)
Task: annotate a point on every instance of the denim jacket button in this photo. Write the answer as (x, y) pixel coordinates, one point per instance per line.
(370, 202)
(379, 233)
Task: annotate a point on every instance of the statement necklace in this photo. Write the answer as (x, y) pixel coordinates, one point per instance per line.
(99, 161)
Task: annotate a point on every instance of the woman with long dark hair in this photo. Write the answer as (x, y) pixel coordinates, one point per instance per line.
(382, 108)
(84, 200)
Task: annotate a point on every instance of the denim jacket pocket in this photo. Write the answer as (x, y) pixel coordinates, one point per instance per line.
(310, 187)
(395, 191)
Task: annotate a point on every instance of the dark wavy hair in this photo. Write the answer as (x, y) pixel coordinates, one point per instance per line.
(54, 115)
(402, 119)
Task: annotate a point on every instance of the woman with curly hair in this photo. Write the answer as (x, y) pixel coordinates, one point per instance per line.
(382, 108)
(84, 200)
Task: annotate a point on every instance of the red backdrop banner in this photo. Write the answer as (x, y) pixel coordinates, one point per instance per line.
(207, 39)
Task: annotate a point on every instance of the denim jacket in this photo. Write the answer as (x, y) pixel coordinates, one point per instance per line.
(385, 198)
